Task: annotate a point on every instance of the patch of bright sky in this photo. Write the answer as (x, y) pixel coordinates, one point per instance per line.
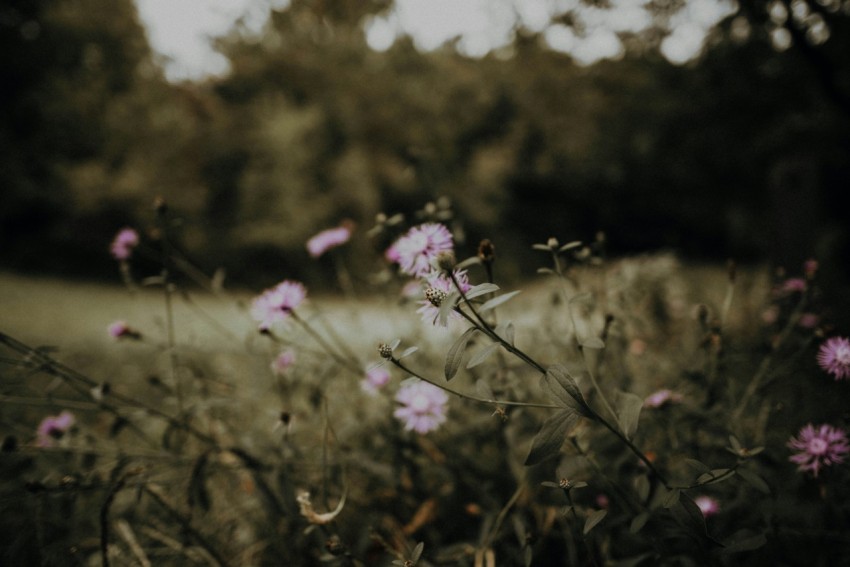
(181, 31)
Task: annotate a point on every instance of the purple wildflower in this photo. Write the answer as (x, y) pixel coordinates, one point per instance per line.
(282, 362)
(123, 244)
(794, 285)
(327, 239)
(415, 250)
(53, 428)
(661, 398)
(834, 357)
(121, 330)
(275, 304)
(376, 378)
(430, 312)
(809, 320)
(818, 448)
(707, 505)
(423, 406)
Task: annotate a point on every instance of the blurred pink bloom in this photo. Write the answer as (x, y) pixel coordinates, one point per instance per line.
(431, 313)
(275, 304)
(637, 347)
(818, 448)
(792, 285)
(834, 357)
(121, 330)
(707, 505)
(391, 254)
(602, 501)
(423, 406)
(123, 244)
(662, 397)
(770, 315)
(416, 249)
(282, 362)
(412, 289)
(53, 427)
(327, 239)
(810, 268)
(808, 320)
(376, 378)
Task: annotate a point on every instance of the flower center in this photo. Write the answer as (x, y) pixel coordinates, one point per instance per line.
(420, 403)
(817, 446)
(842, 355)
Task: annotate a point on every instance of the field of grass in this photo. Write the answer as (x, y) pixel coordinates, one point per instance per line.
(199, 453)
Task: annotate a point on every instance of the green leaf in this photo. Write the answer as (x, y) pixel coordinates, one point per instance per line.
(482, 355)
(671, 498)
(545, 271)
(481, 289)
(471, 261)
(498, 300)
(570, 245)
(394, 344)
(744, 541)
(754, 480)
(592, 342)
(711, 476)
(642, 487)
(638, 522)
(417, 552)
(541, 247)
(594, 519)
(698, 466)
(688, 514)
(628, 412)
(547, 443)
(455, 354)
(484, 390)
(562, 388)
(506, 331)
(407, 352)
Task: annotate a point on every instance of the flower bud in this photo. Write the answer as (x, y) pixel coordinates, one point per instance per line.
(486, 251)
(446, 260)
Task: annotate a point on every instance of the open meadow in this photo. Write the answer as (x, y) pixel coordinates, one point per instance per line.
(629, 412)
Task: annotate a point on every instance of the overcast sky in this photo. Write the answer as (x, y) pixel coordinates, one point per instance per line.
(180, 30)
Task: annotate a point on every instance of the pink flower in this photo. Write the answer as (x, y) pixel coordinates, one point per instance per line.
(275, 304)
(834, 357)
(809, 320)
(415, 250)
(282, 362)
(423, 406)
(53, 428)
(121, 330)
(327, 239)
(376, 378)
(430, 312)
(123, 244)
(818, 448)
(792, 285)
(707, 505)
(810, 268)
(661, 398)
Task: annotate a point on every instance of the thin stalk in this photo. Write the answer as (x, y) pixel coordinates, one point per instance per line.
(339, 359)
(169, 310)
(500, 519)
(401, 366)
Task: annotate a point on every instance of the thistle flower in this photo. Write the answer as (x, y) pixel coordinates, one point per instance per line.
(275, 304)
(282, 362)
(327, 239)
(423, 406)
(376, 378)
(53, 428)
(123, 244)
(439, 287)
(707, 505)
(662, 398)
(834, 357)
(415, 251)
(818, 448)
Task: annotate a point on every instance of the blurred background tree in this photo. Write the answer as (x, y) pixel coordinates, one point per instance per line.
(740, 152)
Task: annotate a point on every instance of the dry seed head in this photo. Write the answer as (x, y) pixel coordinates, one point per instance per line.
(486, 251)
(385, 350)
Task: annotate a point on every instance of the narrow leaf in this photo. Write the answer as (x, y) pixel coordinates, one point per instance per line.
(570, 245)
(754, 480)
(417, 552)
(594, 519)
(743, 541)
(562, 387)
(642, 487)
(698, 466)
(671, 499)
(498, 300)
(408, 352)
(547, 443)
(395, 343)
(545, 271)
(592, 342)
(484, 390)
(481, 289)
(712, 476)
(509, 333)
(638, 522)
(446, 307)
(455, 354)
(482, 355)
(541, 247)
(471, 261)
(628, 412)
